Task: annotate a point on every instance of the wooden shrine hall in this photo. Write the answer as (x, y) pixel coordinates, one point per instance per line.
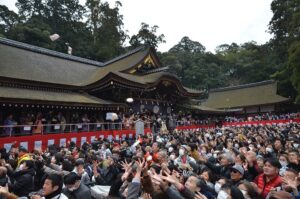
(34, 78)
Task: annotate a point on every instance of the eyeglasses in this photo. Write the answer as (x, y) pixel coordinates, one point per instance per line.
(234, 171)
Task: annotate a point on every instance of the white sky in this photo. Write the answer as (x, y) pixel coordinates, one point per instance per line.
(210, 22)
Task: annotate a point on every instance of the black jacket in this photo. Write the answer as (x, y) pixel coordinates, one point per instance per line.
(24, 182)
(83, 192)
(222, 171)
(107, 176)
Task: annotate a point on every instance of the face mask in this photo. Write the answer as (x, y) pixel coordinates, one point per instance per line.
(215, 155)
(217, 187)
(149, 158)
(283, 163)
(296, 145)
(170, 149)
(72, 189)
(172, 157)
(222, 195)
(21, 167)
(258, 146)
(181, 152)
(203, 152)
(270, 150)
(236, 145)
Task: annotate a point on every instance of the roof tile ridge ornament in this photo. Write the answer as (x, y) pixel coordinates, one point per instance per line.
(45, 51)
(140, 48)
(266, 82)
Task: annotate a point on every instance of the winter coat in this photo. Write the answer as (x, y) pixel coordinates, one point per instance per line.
(24, 182)
(83, 192)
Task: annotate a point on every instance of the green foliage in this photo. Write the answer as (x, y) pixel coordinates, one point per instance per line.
(100, 37)
(64, 11)
(186, 45)
(8, 18)
(231, 65)
(34, 31)
(108, 33)
(147, 36)
(294, 64)
(285, 26)
(29, 8)
(195, 67)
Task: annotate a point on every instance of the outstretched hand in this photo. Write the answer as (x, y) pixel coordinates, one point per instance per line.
(290, 183)
(125, 165)
(158, 180)
(173, 180)
(198, 195)
(140, 165)
(3, 190)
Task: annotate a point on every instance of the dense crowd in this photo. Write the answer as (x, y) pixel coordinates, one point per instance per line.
(56, 122)
(224, 163)
(262, 117)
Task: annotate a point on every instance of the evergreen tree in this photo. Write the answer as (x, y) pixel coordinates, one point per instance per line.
(147, 35)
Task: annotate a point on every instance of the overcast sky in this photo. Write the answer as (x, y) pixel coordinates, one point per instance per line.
(210, 22)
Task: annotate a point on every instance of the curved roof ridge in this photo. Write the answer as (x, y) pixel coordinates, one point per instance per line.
(243, 86)
(123, 55)
(45, 51)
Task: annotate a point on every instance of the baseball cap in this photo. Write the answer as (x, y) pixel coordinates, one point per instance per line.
(260, 157)
(238, 168)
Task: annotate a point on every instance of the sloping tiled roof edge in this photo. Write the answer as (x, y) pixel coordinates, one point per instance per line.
(243, 86)
(124, 55)
(48, 52)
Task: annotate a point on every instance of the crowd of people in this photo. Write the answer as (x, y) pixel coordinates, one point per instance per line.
(51, 122)
(249, 162)
(263, 117)
(56, 122)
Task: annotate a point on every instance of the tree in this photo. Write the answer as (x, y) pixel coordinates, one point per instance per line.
(29, 8)
(34, 32)
(8, 19)
(285, 27)
(64, 11)
(294, 50)
(195, 67)
(147, 36)
(223, 49)
(186, 45)
(108, 33)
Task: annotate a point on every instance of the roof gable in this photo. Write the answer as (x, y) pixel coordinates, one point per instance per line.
(23, 64)
(26, 64)
(30, 63)
(244, 95)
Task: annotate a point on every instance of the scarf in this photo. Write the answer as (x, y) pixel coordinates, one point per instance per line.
(53, 194)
